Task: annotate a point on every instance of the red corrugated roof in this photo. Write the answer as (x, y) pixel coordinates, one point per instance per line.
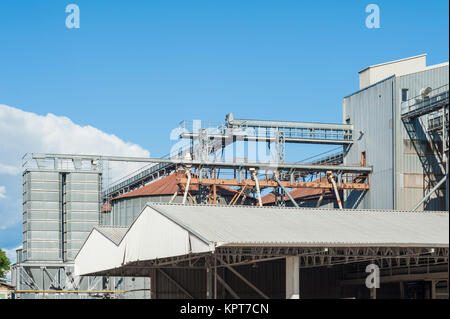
(168, 186)
(301, 193)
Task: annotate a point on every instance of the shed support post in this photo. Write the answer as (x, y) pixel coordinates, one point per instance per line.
(373, 293)
(209, 278)
(433, 289)
(402, 290)
(153, 284)
(293, 277)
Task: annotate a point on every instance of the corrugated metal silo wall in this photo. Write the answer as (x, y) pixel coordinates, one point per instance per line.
(81, 209)
(407, 161)
(371, 111)
(42, 216)
(125, 210)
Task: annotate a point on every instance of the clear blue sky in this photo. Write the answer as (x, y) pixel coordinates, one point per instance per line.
(137, 68)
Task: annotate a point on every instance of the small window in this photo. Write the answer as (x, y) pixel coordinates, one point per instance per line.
(404, 95)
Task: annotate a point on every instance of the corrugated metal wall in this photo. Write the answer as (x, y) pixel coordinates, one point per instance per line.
(375, 113)
(371, 111)
(81, 208)
(407, 163)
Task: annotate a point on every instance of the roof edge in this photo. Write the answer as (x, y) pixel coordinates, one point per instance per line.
(174, 220)
(394, 61)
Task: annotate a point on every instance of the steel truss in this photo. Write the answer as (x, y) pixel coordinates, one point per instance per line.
(310, 257)
(433, 104)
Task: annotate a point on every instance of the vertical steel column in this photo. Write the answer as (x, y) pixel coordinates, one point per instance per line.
(209, 278)
(292, 277)
(153, 284)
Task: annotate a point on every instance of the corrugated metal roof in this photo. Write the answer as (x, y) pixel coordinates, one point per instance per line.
(169, 230)
(310, 227)
(115, 234)
(168, 186)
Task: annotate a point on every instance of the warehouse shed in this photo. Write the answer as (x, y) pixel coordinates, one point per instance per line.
(260, 252)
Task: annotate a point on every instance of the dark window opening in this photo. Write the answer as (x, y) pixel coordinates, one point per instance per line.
(404, 95)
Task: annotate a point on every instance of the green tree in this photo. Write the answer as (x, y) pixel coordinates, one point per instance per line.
(4, 264)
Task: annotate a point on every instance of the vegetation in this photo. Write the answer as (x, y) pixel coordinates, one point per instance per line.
(4, 264)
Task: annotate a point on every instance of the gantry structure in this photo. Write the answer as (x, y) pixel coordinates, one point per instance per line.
(198, 164)
(430, 106)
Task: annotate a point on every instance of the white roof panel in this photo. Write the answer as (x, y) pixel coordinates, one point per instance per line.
(309, 226)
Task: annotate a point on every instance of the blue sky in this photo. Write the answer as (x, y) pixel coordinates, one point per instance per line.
(136, 68)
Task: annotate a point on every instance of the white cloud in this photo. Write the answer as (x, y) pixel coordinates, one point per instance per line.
(9, 169)
(25, 132)
(2, 192)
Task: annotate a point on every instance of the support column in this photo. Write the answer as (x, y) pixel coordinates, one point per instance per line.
(209, 278)
(402, 290)
(153, 284)
(293, 277)
(373, 293)
(433, 289)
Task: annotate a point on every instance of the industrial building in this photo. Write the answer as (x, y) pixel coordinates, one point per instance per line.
(194, 225)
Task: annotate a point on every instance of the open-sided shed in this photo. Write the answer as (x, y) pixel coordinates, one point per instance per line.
(203, 251)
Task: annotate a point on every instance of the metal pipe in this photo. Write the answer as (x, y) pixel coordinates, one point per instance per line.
(173, 197)
(319, 202)
(285, 191)
(232, 122)
(336, 192)
(188, 174)
(430, 193)
(255, 178)
(204, 164)
(244, 136)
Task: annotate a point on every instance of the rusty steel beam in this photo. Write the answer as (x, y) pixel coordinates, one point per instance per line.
(270, 183)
